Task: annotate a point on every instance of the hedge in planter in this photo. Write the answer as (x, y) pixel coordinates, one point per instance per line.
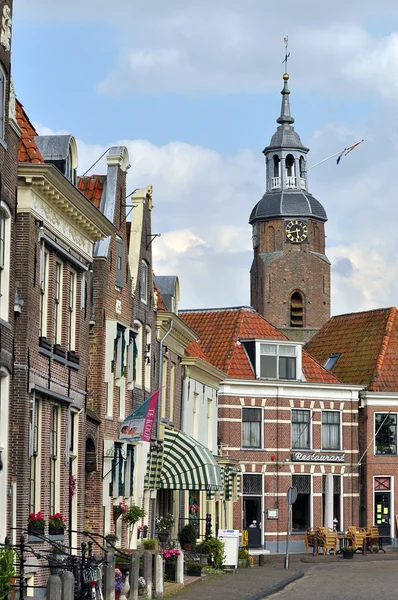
(194, 569)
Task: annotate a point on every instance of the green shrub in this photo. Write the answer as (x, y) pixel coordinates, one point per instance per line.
(214, 549)
(7, 570)
(243, 554)
(188, 534)
(194, 566)
(133, 515)
(149, 544)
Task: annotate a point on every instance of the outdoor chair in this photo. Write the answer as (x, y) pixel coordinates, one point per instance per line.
(373, 537)
(309, 539)
(357, 536)
(327, 538)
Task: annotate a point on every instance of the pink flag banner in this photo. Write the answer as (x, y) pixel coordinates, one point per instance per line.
(137, 427)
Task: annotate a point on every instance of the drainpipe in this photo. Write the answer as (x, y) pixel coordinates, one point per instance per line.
(158, 411)
(184, 396)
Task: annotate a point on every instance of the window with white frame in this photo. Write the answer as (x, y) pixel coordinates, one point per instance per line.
(278, 361)
(331, 425)
(54, 459)
(120, 344)
(132, 358)
(251, 427)
(172, 391)
(58, 302)
(301, 429)
(163, 393)
(385, 433)
(72, 311)
(144, 282)
(301, 509)
(138, 361)
(3, 81)
(34, 467)
(147, 367)
(45, 258)
(5, 238)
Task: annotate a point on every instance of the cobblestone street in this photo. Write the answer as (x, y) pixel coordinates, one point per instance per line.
(348, 580)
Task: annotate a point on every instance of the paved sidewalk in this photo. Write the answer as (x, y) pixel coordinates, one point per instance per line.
(259, 582)
(248, 584)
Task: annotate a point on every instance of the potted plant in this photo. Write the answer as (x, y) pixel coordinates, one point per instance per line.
(188, 537)
(36, 524)
(118, 583)
(119, 510)
(131, 516)
(170, 559)
(111, 540)
(348, 552)
(149, 544)
(141, 586)
(214, 549)
(163, 527)
(56, 524)
(194, 568)
(243, 557)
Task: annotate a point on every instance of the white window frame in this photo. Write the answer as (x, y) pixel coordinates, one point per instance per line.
(172, 391)
(44, 271)
(147, 365)
(4, 445)
(5, 224)
(392, 498)
(279, 344)
(309, 410)
(72, 310)
(340, 430)
(119, 366)
(385, 412)
(35, 455)
(144, 282)
(3, 87)
(139, 341)
(311, 494)
(261, 446)
(163, 393)
(58, 303)
(55, 458)
(130, 358)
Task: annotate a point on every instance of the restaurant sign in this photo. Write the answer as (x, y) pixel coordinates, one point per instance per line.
(315, 457)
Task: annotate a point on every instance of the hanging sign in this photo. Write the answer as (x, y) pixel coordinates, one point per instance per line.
(138, 426)
(315, 457)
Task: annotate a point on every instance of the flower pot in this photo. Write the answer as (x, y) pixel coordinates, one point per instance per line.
(348, 555)
(34, 530)
(170, 570)
(192, 573)
(187, 546)
(53, 530)
(117, 595)
(163, 536)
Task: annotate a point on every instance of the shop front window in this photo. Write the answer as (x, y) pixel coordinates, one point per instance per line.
(301, 508)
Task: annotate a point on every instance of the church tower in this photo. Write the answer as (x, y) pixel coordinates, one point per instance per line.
(290, 273)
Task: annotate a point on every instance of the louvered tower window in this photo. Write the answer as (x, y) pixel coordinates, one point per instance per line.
(296, 310)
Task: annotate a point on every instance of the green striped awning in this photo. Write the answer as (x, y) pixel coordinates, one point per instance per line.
(153, 469)
(188, 465)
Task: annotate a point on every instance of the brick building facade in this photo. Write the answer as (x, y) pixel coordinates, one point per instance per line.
(56, 227)
(286, 421)
(9, 136)
(290, 273)
(362, 348)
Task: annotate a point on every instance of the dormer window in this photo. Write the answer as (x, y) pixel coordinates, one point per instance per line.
(331, 361)
(278, 361)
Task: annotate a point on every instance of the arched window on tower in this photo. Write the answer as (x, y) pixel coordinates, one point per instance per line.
(271, 239)
(302, 172)
(296, 310)
(290, 178)
(276, 177)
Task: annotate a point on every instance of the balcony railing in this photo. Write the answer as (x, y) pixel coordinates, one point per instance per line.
(291, 183)
(275, 183)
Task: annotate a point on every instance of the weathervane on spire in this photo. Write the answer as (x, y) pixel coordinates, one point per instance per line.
(287, 54)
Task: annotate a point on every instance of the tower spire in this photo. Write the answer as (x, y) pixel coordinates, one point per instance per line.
(285, 116)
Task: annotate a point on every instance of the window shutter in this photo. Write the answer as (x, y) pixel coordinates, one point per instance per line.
(119, 263)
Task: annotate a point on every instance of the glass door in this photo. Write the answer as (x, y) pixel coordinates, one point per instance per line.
(382, 505)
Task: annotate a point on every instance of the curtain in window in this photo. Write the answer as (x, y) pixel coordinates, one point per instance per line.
(300, 429)
(331, 430)
(251, 427)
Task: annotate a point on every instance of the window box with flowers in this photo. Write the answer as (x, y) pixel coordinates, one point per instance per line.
(56, 525)
(36, 525)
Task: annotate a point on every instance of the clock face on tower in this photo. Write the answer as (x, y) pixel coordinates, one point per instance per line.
(296, 231)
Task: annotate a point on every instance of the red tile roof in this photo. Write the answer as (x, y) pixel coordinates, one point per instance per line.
(27, 149)
(220, 330)
(161, 305)
(196, 351)
(92, 187)
(368, 346)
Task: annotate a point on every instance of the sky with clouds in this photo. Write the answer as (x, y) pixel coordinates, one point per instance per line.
(192, 89)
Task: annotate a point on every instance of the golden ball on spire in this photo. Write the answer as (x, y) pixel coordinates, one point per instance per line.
(285, 76)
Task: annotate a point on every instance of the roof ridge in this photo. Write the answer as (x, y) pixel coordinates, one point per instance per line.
(362, 312)
(221, 309)
(384, 345)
